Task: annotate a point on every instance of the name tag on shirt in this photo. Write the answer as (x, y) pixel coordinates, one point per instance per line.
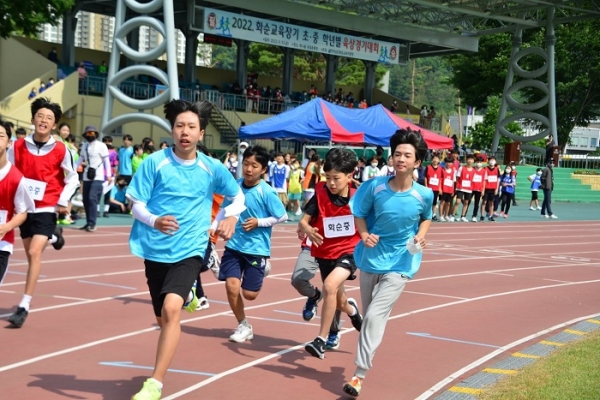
(339, 226)
(36, 188)
(434, 181)
(3, 217)
(448, 182)
(466, 184)
(476, 178)
(492, 178)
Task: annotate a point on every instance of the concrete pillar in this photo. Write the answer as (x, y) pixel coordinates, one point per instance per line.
(243, 47)
(550, 42)
(332, 66)
(133, 40)
(191, 52)
(288, 70)
(369, 80)
(68, 50)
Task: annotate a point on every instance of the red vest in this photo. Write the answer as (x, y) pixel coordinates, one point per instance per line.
(332, 248)
(434, 173)
(491, 183)
(447, 181)
(8, 188)
(478, 177)
(45, 168)
(465, 180)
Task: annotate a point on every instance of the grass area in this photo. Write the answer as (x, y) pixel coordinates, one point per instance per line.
(570, 373)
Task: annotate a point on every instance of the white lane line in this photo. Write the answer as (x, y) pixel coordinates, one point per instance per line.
(107, 284)
(287, 321)
(498, 273)
(555, 280)
(70, 298)
(435, 295)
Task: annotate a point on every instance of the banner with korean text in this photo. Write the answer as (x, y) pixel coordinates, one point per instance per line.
(237, 26)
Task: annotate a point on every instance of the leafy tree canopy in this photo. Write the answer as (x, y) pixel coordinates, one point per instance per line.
(26, 16)
(482, 134)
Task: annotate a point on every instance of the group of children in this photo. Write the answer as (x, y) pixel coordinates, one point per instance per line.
(342, 229)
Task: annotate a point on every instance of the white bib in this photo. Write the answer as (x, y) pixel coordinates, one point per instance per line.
(36, 188)
(3, 217)
(434, 181)
(448, 182)
(492, 178)
(476, 178)
(339, 226)
(466, 184)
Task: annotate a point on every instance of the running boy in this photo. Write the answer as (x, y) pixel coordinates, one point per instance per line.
(536, 182)
(172, 194)
(244, 264)
(51, 179)
(383, 255)
(329, 225)
(15, 201)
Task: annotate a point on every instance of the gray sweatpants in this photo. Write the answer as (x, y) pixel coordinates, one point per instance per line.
(379, 293)
(306, 268)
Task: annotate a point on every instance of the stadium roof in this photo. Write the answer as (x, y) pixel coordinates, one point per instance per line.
(432, 27)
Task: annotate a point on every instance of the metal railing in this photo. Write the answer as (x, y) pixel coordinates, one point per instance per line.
(96, 86)
(220, 101)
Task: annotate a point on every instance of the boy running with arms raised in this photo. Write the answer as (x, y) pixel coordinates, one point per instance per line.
(328, 223)
(172, 194)
(392, 216)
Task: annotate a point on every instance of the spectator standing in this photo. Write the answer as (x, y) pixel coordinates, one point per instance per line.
(394, 106)
(549, 148)
(125, 159)
(53, 55)
(107, 187)
(102, 68)
(547, 186)
(423, 116)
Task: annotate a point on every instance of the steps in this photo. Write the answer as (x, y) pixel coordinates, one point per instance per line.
(228, 133)
(566, 187)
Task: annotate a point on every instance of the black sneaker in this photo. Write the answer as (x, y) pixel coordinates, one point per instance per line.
(60, 240)
(310, 308)
(105, 215)
(91, 228)
(434, 218)
(84, 228)
(515, 204)
(481, 219)
(491, 219)
(18, 318)
(356, 319)
(316, 348)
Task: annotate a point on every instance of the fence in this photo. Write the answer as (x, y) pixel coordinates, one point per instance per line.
(96, 86)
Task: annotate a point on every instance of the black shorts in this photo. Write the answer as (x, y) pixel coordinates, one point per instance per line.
(165, 278)
(346, 261)
(435, 198)
(4, 255)
(447, 197)
(39, 224)
(464, 196)
(534, 195)
(489, 195)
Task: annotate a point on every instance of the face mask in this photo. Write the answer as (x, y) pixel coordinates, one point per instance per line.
(508, 170)
(90, 138)
(479, 165)
(151, 148)
(232, 159)
(492, 163)
(539, 173)
(122, 185)
(374, 165)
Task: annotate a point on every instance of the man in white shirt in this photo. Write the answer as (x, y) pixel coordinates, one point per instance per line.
(94, 156)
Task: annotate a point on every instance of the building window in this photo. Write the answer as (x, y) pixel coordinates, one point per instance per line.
(594, 142)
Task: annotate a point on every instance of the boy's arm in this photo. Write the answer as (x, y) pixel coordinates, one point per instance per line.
(23, 204)
(71, 181)
(422, 232)
(369, 239)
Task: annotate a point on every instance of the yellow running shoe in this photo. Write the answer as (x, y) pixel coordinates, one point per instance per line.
(150, 391)
(190, 306)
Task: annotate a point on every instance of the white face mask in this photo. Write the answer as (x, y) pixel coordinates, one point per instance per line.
(232, 159)
(508, 170)
(492, 163)
(374, 165)
(539, 173)
(479, 165)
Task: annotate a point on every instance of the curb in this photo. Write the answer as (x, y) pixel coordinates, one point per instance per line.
(470, 387)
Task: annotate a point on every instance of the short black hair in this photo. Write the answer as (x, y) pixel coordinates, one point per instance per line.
(201, 108)
(340, 159)
(260, 154)
(63, 124)
(470, 156)
(20, 131)
(44, 102)
(127, 137)
(6, 125)
(414, 138)
(107, 139)
(137, 147)
(362, 160)
(315, 157)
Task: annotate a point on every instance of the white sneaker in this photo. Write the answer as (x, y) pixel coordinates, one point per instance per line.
(202, 304)
(545, 216)
(464, 219)
(442, 219)
(532, 208)
(474, 219)
(214, 263)
(451, 219)
(539, 208)
(298, 211)
(553, 216)
(242, 333)
(267, 268)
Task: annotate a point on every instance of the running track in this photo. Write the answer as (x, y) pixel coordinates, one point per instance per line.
(484, 291)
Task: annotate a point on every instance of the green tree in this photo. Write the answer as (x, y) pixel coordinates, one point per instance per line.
(25, 17)
(223, 57)
(482, 134)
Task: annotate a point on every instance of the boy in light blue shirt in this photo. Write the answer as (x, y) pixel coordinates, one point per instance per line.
(392, 216)
(125, 156)
(244, 263)
(172, 194)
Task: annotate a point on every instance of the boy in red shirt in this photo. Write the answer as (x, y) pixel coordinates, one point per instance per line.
(334, 237)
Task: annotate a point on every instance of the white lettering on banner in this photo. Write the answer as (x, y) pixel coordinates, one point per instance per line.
(466, 184)
(492, 178)
(36, 188)
(448, 182)
(476, 178)
(434, 181)
(339, 226)
(3, 217)
(237, 26)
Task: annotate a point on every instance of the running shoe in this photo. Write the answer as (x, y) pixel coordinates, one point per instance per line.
(532, 208)
(150, 391)
(356, 319)
(553, 216)
(316, 348)
(267, 268)
(451, 218)
(333, 341)
(310, 308)
(464, 219)
(442, 218)
(474, 219)
(214, 262)
(242, 333)
(60, 240)
(192, 305)
(91, 228)
(481, 219)
(434, 218)
(353, 387)
(539, 208)
(545, 216)
(202, 304)
(18, 318)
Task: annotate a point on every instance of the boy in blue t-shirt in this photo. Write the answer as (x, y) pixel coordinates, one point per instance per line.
(172, 195)
(118, 197)
(244, 263)
(392, 216)
(536, 182)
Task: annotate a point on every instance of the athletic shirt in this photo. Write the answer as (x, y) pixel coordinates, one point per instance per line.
(336, 225)
(536, 182)
(295, 187)
(493, 176)
(8, 188)
(447, 181)
(310, 178)
(434, 176)
(279, 177)
(371, 172)
(508, 179)
(478, 178)
(465, 180)
(44, 174)
(232, 167)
